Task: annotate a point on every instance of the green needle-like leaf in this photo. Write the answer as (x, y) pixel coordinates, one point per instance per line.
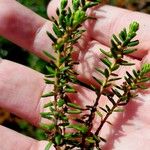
(64, 68)
(61, 102)
(90, 140)
(108, 54)
(100, 71)
(76, 4)
(129, 75)
(58, 139)
(48, 146)
(49, 55)
(50, 70)
(129, 51)
(116, 92)
(48, 104)
(119, 110)
(108, 108)
(145, 69)
(63, 59)
(57, 31)
(47, 127)
(133, 43)
(111, 100)
(48, 94)
(51, 37)
(70, 89)
(47, 81)
(79, 127)
(98, 80)
(134, 26)
(63, 4)
(128, 80)
(79, 17)
(75, 111)
(104, 140)
(73, 105)
(116, 39)
(115, 67)
(145, 79)
(125, 63)
(71, 135)
(106, 73)
(123, 35)
(89, 4)
(47, 115)
(135, 73)
(107, 62)
(103, 109)
(99, 113)
(114, 79)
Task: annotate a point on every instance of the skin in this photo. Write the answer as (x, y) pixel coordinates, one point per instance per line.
(21, 87)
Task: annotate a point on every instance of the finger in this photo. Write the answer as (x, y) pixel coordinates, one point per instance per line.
(21, 89)
(112, 20)
(23, 27)
(11, 140)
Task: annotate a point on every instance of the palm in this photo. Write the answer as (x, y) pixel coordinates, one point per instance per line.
(127, 126)
(21, 87)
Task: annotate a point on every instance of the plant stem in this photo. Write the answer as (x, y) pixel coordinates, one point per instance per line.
(106, 117)
(129, 88)
(99, 93)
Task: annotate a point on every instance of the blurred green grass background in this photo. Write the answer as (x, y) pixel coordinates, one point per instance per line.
(7, 50)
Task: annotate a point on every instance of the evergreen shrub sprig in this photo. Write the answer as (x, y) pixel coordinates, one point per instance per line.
(62, 77)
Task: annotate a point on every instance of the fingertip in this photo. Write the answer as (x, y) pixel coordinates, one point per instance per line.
(51, 8)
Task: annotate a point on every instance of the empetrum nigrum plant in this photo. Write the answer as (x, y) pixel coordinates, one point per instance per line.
(62, 77)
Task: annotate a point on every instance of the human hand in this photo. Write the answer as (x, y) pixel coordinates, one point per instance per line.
(21, 88)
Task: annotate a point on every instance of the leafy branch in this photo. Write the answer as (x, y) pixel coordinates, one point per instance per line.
(113, 59)
(132, 82)
(61, 73)
(61, 76)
